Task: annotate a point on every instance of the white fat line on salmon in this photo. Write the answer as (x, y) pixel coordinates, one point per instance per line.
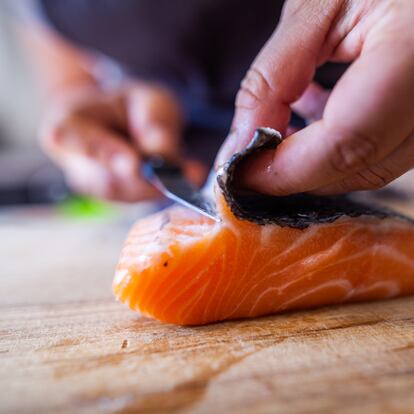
(386, 250)
(266, 235)
(332, 250)
(232, 258)
(120, 276)
(391, 286)
(296, 244)
(395, 254)
(223, 262)
(309, 274)
(183, 275)
(341, 283)
(194, 280)
(187, 310)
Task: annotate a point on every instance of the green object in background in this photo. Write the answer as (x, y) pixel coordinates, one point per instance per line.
(85, 207)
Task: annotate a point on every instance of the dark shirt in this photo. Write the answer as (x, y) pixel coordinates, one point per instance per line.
(199, 48)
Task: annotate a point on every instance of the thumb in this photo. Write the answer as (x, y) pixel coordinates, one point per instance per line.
(281, 72)
(155, 120)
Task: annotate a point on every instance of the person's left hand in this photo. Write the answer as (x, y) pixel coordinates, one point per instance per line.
(100, 138)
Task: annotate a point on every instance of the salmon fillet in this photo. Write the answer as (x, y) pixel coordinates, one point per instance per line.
(180, 267)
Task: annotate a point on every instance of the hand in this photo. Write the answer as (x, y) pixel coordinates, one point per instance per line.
(365, 135)
(98, 139)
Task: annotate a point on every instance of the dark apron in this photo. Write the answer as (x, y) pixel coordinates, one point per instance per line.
(199, 48)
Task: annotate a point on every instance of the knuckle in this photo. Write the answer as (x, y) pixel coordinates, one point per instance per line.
(109, 193)
(353, 151)
(56, 127)
(254, 88)
(53, 136)
(317, 12)
(374, 178)
(294, 8)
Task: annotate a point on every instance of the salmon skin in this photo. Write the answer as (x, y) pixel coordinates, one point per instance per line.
(299, 210)
(267, 255)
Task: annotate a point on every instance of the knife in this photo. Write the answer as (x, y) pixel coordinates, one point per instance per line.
(169, 179)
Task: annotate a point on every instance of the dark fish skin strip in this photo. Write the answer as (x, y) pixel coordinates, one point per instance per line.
(296, 211)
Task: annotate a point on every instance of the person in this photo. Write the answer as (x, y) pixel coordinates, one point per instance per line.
(179, 66)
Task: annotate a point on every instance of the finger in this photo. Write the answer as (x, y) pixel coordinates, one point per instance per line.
(104, 108)
(376, 176)
(96, 181)
(86, 177)
(155, 120)
(312, 103)
(368, 114)
(196, 172)
(97, 161)
(138, 189)
(281, 72)
(91, 140)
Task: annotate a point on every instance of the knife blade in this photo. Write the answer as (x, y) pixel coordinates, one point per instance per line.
(169, 179)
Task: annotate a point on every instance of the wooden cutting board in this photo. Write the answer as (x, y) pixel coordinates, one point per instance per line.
(66, 346)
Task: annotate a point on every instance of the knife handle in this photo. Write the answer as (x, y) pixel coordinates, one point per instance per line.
(157, 164)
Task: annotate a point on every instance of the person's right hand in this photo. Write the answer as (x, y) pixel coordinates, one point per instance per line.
(99, 138)
(361, 135)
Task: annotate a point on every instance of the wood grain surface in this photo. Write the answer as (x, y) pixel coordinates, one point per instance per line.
(67, 347)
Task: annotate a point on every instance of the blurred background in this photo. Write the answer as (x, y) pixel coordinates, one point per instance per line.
(19, 98)
(26, 174)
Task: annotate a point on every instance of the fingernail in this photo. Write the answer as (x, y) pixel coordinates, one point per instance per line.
(83, 166)
(160, 140)
(86, 175)
(122, 165)
(254, 174)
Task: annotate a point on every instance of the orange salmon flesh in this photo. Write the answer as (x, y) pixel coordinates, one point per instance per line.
(180, 267)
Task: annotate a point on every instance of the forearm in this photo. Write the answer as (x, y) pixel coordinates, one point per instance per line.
(59, 66)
